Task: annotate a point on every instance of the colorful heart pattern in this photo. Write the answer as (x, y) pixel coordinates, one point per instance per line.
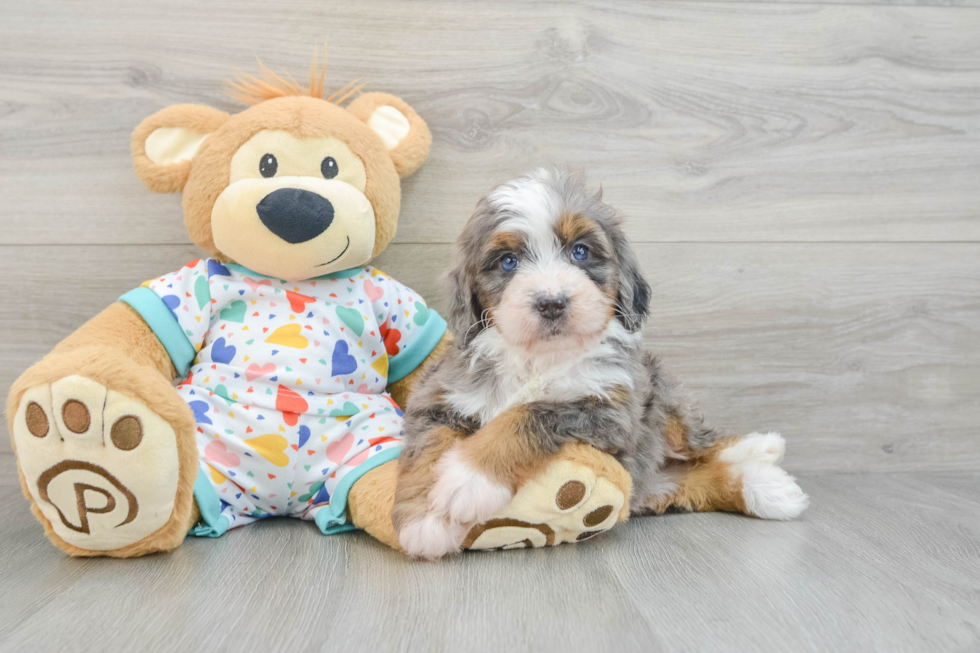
(217, 452)
(337, 450)
(287, 387)
(289, 336)
(255, 371)
(342, 362)
(235, 312)
(272, 447)
(352, 318)
(221, 352)
(373, 292)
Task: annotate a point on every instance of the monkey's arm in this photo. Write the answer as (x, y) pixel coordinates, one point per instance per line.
(402, 388)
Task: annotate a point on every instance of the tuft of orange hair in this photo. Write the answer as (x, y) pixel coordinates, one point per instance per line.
(253, 90)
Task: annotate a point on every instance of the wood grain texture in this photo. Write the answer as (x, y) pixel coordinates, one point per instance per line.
(801, 182)
(865, 356)
(887, 562)
(703, 121)
(905, 3)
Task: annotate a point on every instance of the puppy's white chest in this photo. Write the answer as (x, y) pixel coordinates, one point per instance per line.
(517, 380)
(565, 387)
(534, 389)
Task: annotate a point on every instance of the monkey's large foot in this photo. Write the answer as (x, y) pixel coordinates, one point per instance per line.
(582, 493)
(102, 470)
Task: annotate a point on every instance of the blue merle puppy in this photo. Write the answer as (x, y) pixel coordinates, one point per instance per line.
(547, 305)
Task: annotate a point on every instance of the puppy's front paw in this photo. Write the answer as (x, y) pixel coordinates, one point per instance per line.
(431, 537)
(463, 493)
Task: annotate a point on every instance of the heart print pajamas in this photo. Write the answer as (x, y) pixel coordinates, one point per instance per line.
(287, 383)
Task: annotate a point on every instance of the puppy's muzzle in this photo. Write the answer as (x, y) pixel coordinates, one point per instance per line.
(295, 215)
(551, 308)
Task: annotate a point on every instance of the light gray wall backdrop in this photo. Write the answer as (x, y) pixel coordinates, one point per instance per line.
(802, 181)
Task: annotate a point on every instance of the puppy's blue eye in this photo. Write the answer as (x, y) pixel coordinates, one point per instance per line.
(508, 263)
(580, 252)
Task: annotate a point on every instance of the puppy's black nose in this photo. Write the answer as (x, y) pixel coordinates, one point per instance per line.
(551, 308)
(294, 214)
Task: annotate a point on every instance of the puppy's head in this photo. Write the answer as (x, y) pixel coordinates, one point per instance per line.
(545, 262)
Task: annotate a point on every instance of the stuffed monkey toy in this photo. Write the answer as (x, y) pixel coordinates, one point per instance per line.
(265, 379)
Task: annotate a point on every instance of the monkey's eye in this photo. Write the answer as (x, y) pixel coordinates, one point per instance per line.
(328, 168)
(508, 263)
(580, 253)
(268, 166)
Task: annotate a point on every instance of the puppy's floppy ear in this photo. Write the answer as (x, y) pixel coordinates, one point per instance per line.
(465, 311)
(633, 296)
(164, 144)
(404, 134)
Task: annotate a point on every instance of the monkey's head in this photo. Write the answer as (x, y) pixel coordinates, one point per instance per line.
(293, 187)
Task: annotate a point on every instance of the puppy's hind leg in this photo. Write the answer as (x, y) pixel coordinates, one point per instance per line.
(732, 474)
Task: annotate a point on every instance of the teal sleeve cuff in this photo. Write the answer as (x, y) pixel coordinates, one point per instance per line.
(402, 365)
(213, 523)
(332, 519)
(164, 324)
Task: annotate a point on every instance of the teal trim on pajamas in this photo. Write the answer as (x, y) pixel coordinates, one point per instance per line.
(339, 274)
(406, 361)
(162, 321)
(332, 519)
(213, 523)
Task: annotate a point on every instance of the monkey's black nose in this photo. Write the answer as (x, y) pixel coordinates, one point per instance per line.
(551, 308)
(294, 214)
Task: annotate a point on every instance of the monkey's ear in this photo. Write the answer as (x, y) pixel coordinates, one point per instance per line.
(164, 144)
(404, 134)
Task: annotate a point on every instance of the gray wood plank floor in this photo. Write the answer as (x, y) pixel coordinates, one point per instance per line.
(885, 562)
(800, 179)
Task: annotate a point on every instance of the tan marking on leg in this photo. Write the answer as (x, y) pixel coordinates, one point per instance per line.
(416, 477)
(703, 485)
(675, 434)
(505, 450)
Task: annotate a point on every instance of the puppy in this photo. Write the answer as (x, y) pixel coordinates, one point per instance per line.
(547, 304)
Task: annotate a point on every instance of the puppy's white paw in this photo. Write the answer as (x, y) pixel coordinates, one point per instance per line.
(464, 494)
(431, 537)
(771, 493)
(765, 449)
